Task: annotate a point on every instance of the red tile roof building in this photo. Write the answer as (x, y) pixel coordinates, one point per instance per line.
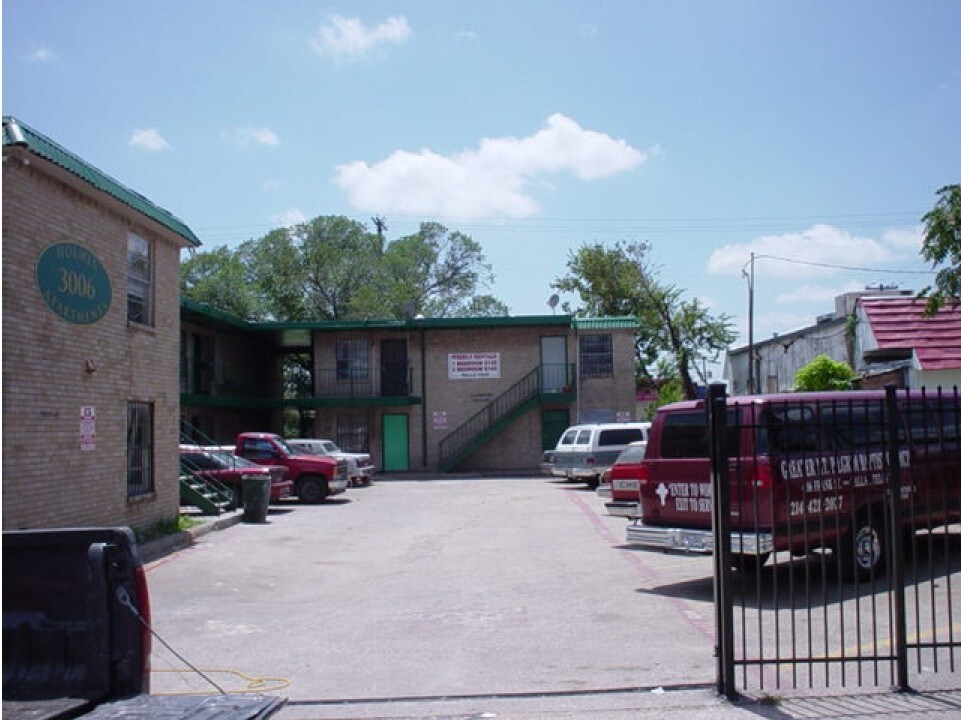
(895, 330)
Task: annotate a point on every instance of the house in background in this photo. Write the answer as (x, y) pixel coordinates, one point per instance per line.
(423, 394)
(91, 318)
(897, 343)
(883, 335)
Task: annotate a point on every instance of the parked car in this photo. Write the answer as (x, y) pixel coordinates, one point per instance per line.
(230, 470)
(625, 481)
(315, 477)
(360, 467)
(547, 463)
(584, 452)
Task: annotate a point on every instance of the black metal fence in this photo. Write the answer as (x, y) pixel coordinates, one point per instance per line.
(851, 508)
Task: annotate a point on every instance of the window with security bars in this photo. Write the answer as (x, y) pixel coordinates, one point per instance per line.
(353, 433)
(353, 360)
(140, 448)
(139, 281)
(596, 356)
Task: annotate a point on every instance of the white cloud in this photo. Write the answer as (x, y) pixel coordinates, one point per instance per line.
(42, 55)
(348, 39)
(288, 218)
(908, 240)
(811, 252)
(816, 294)
(489, 181)
(251, 136)
(148, 139)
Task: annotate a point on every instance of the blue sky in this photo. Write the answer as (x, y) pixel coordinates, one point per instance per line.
(815, 133)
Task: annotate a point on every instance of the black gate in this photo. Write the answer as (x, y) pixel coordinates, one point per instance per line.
(843, 585)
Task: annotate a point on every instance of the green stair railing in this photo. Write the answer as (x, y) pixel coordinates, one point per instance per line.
(205, 493)
(491, 419)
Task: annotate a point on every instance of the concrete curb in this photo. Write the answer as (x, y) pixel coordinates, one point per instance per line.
(156, 549)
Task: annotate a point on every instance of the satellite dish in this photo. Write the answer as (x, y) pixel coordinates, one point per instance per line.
(554, 299)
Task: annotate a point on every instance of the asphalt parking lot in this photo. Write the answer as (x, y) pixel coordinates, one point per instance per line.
(471, 597)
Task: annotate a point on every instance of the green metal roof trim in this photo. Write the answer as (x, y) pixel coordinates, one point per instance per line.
(15, 133)
(190, 307)
(416, 323)
(607, 323)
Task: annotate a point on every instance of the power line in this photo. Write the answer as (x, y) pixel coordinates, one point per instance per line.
(849, 268)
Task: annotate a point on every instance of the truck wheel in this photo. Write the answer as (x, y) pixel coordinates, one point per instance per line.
(863, 551)
(312, 489)
(593, 482)
(748, 564)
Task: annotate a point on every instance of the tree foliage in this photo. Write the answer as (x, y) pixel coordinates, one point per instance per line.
(620, 280)
(942, 248)
(219, 278)
(823, 373)
(334, 268)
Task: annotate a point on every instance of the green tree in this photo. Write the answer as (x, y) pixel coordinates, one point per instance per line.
(823, 373)
(219, 278)
(942, 247)
(333, 268)
(620, 280)
(312, 271)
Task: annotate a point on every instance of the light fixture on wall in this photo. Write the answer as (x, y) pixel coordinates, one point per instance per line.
(91, 366)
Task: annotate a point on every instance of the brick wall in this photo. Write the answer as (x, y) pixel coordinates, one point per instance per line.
(48, 481)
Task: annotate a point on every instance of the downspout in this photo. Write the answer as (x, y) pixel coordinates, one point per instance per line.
(423, 394)
(577, 373)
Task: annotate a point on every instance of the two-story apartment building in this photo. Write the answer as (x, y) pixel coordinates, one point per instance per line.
(423, 394)
(91, 317)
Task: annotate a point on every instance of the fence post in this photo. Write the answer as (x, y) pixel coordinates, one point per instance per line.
(896, 535)
(721, 532)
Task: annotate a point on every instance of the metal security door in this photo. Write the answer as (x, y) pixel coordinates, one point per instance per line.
(553, 363)
(395, 442)
(393, 368)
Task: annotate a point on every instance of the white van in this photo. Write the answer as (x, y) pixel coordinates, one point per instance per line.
(584, 452)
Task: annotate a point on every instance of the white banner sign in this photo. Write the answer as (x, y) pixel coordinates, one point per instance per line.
(466, 366)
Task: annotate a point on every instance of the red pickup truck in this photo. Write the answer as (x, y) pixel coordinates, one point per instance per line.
(77, 634)
(315, 478)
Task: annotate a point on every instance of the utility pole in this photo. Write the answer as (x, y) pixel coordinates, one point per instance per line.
(750, 326)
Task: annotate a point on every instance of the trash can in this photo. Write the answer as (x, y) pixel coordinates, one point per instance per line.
(256, 490)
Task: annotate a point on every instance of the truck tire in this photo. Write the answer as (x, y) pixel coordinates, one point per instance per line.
(312, 489)
(864, 549)
(748, 564)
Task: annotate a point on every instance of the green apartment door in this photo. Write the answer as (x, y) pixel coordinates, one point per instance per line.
(553, 425)
(395, 442)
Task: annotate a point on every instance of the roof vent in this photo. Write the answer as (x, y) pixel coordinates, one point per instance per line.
(825, 318)
(14, 132)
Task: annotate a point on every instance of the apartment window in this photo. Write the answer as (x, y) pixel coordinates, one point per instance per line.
(353, 433)
(596, 356)
(353, 360)
(140, 446)
(139, 281)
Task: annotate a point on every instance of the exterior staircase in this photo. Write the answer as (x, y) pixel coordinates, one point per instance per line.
(203, 492)
(495, 417)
